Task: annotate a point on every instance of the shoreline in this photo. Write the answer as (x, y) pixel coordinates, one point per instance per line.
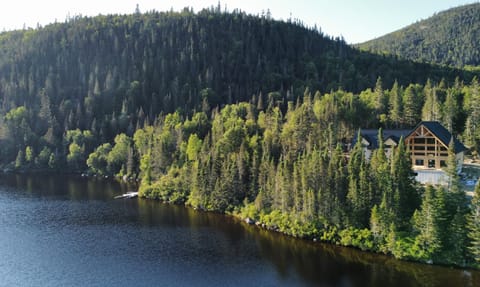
(250, 221)
(276, 230)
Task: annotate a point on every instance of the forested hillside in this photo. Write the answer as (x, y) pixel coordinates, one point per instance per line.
(288, 172)
(111, 74)
(448, 38)
(241, 114)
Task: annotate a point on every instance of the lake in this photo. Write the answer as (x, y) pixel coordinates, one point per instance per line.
(69, 231)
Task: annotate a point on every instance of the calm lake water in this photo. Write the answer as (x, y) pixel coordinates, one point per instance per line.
(68, 231)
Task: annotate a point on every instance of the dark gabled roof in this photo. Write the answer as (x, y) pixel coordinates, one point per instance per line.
(441, 133)
(371, 136)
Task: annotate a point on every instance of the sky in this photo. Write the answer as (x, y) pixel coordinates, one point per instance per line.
(354, 20)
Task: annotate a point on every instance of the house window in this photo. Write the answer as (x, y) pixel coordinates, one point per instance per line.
(430, 141)
(419, 162)
(443, 163)
(419, 140)
(431, 163)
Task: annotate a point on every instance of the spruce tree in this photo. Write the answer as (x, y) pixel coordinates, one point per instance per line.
(455, 236)
(359, 194)
(427, 222)
(410, 110)
(474, 226)
(450, 110)
(431, 110)
(405, 196)
(380, 171)
(396, 105)
(381, 101)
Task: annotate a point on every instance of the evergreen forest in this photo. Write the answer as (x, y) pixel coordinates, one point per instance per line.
(245, 115)
(448, 38)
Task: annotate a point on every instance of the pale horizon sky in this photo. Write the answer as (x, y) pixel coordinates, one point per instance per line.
(356, 20)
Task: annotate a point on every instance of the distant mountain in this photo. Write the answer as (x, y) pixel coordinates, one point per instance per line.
(451, 37)
(160, 62)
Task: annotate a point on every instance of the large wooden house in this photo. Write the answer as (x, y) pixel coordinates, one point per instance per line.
(428, 144)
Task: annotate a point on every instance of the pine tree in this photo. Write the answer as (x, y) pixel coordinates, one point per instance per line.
(457, 195)
(359, 194)
(472, 131)
(431, 110)
(396, 105)
(474, 226)
(405, 196)
(450, 110)
(339, 177)
(457, 242)
(456, 207)
(427, 223)
(380, 171)
(410, 110)
(380, 221)
(381, 101)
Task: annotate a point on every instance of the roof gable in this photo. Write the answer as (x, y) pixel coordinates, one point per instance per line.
(371, 136)
(441, 133)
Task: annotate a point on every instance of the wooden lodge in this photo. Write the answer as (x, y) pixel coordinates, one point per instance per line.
(428, 145)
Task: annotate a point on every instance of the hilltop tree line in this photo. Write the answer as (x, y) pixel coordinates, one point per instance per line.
(234, 125)
(31, 138)
(112, 74)
(289, 172)
(447, 38)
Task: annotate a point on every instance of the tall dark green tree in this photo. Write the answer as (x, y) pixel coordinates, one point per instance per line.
(411, 106)
(428, 222)
(474, 226)
(431, 110)
(396, 105)
(359, 196)
(405, 195)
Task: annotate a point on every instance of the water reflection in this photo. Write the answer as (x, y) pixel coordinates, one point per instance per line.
(338, 266)
(167, 244)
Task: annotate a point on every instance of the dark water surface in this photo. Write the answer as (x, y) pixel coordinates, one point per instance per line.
(68, 231)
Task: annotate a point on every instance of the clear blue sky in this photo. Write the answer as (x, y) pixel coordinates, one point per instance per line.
(355, 20)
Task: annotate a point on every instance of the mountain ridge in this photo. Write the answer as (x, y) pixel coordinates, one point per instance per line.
(449, 37)
(112, 74)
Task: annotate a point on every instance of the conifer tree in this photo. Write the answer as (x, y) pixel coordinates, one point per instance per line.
(431, 110)
(359, 187)
(405, 197)
(472, 131)
(474, 226)
(339, 177)
(381, 101)
(380, 171)
(410, 111)
(450, 110)
(380, 221)
(457, 239)
(396, 105)
(457, 200)
(427, 223)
